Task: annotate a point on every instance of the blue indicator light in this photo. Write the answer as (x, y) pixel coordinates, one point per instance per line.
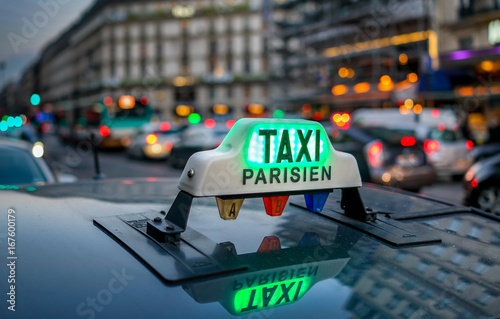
(310, 239)
(315, 202)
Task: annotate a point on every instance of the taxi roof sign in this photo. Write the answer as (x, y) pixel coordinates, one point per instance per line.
(266, 156)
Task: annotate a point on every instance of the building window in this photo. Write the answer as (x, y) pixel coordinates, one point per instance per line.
(400, 256)
(454, 225)
(461, 284)
(422, 266)
(394, 302)
(475, 232)
(229, 91)
(213, 47)
(459, 258)
(247, 64)
(480, 267)
(376, 289)
(211, 92)
(409, 284)
(486, 298)
(427, 293)
(438, 251)
(441, 275)
(465, 43)
(409, 311)
(247, 92)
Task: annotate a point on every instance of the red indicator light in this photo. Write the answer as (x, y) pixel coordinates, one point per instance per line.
(275, 205)
(408, 141)
(107, 101)
(165, 126)
(144, 100)
(210, 123)
(431, 146)
(469, 144)
(230, 124)
(151, 139)
(317, 116)
(270, 243)
(435, 113)
(45, 127)
(151, 179)
(441, 126)
(375, 154)
(104, 131)
(168, 146)
(474, 183)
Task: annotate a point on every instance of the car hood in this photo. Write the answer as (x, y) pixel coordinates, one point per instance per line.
(64, 255)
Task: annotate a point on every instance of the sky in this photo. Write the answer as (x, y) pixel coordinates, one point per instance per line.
(26, 26)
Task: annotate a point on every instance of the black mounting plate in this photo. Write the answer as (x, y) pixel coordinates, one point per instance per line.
(195, 255)
(385, 229)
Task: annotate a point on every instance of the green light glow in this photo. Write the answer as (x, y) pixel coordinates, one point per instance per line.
(270, 295)
(35, 99)
(9, 187)
(285, 142)
(31, 189)
(194, 118)
(279, 114)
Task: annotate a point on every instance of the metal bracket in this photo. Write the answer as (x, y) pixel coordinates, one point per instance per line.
(170, 228)
(353, 206)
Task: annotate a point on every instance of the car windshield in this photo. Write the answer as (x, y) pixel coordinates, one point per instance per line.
(19, 167)
(389, 135)
(445, 135)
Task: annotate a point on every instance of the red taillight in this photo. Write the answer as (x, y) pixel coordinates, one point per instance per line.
(474, 183)
(165, 126)
(210, 123)
(151, 139)
(230, 123)
(168, 146)
(469, 144)
(431, 146)
(375, 154)
(408, 141)
(104, 131)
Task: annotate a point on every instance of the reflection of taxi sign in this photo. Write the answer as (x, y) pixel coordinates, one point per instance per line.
(268, 157)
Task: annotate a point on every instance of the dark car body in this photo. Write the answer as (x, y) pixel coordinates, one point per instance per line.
(405, 167)
(482, 184)
(67, 263)
(193, 139)
(484, 151)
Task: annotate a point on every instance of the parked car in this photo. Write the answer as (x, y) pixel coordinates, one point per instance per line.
(22, 163)
(387, 156)
(482, 185)
(481, 152)
(438, 129)
(153, 141)
(193, 139)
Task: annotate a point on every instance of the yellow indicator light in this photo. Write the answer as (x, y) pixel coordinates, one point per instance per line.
(403, 59)
(403, 110)
(350, 73)
(220, 109)
(417, 108)
(126, 102)
(339, 89)
(408, 103)
(229, 208)
(183, 110)
(343, 72)
(362, 87)
(412, 77)
(386, 177)
(255, 108)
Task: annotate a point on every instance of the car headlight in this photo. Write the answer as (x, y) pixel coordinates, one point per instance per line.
(37, 149)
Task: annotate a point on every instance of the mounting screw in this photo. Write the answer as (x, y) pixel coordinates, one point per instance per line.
(162, 212)
(170, 227)
(157, 220)
(190, 173)
(369, 209)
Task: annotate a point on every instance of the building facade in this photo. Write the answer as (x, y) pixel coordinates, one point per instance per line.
(348, 54)
(195, 53)
(469, 35)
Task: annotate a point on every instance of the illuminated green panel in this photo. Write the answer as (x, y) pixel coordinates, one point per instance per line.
(270, 295)
(278, 151)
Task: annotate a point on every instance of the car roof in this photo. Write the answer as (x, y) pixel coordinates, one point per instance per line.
(15, 143)
(63, 230)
